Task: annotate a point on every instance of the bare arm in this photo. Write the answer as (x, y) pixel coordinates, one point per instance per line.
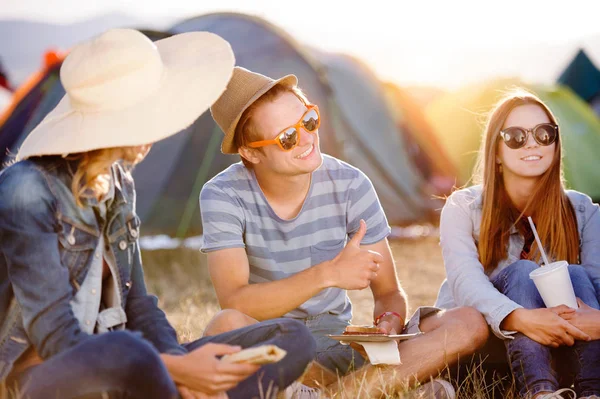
(229, 269)
(229, 272)
(387, 292)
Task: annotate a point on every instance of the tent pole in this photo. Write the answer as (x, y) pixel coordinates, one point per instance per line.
(190, 206)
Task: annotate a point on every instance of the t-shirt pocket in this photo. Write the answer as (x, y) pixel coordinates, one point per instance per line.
(325, 251)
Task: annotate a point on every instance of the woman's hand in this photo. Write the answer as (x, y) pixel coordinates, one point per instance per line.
(586, 319)
(545, 326)
(201, 370)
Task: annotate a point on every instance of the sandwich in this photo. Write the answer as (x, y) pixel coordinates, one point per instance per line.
(362, 330)
(257, 355)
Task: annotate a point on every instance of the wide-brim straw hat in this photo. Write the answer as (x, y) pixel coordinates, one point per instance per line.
(245, 87)
(124, 90)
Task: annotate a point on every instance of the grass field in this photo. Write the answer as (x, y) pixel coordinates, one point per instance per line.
(180, 279)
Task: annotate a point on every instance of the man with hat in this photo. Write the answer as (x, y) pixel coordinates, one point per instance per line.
(289, 230)
(75, 317)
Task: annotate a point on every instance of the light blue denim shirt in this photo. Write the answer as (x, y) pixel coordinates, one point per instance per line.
(98, 304)
(468, 285)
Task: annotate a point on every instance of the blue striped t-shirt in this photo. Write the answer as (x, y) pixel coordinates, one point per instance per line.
(236, 214)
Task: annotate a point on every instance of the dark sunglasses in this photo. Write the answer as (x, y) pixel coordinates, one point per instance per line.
(516, 137)
(289, 137)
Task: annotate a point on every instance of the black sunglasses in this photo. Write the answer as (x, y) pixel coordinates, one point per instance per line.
(516, 137)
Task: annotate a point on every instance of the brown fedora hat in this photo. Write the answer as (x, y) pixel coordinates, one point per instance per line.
(244, 88)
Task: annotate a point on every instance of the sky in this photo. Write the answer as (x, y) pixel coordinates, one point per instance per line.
(439, 43)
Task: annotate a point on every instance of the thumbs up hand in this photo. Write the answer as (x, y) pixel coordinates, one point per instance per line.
(353, 268)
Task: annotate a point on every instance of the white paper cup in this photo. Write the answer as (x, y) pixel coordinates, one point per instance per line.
(554, 284)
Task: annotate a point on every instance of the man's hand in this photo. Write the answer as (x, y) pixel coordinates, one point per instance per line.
(353, 268)
(586, 318)
(386, 327)
(201, 370)
(545, 326)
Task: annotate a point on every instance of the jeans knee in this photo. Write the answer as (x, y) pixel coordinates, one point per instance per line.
(136, 358)
(297, 332)
(579, 275)
(520, 269)
(515, 283)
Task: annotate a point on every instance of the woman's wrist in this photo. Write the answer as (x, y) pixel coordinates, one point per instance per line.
(513, 320)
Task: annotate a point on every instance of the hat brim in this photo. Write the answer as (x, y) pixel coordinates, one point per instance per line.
(227, 145)
(197, 67)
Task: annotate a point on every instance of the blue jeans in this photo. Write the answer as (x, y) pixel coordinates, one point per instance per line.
(531, 362)
(124, 365)
(331, 354)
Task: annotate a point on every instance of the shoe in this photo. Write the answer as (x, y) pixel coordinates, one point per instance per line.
(564, 393)
(590, 397)
(434, 389)
(300, 391)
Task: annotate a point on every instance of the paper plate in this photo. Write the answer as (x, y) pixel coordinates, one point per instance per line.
(372, 338)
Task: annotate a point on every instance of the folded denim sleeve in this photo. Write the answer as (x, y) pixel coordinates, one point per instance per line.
(469, 284)
(590, 240)
(29, 245)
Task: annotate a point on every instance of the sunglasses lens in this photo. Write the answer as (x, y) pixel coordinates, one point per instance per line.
(288, 139)
(311, 120)
(514, 137)
(545, 134)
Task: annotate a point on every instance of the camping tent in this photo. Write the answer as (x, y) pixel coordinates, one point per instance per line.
(169, 181)
(425, 151)
(582, 77)
(458, 120)
(30, 103)
(369, 137)
(5, 99)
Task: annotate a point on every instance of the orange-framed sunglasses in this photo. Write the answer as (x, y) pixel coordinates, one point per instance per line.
(289, 137)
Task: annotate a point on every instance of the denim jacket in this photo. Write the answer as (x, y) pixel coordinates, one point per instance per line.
(46, 248)
(468, 285)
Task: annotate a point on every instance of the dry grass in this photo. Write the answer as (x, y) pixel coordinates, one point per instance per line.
(180, 279)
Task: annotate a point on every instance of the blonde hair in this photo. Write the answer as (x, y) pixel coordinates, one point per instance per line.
(93, 174)
(246, 131)
(549, 205)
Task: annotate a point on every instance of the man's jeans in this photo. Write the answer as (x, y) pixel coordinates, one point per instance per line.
(124, 365)
(531, 362)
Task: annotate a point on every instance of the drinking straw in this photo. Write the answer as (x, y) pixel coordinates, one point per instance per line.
(537, 239)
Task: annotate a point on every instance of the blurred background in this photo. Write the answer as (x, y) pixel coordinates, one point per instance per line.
(403, 87)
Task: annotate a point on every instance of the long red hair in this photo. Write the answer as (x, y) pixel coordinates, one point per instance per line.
(549, 205)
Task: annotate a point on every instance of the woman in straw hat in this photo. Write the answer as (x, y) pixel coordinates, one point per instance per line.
(489, 249)
(76, 318)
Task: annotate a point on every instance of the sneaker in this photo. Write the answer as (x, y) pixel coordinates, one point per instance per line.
(590, 397)
(564, 393)
(434, 389)
(300, 391)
